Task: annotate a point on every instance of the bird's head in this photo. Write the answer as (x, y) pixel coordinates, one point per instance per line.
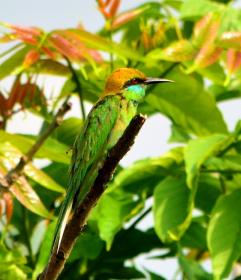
(129, 82)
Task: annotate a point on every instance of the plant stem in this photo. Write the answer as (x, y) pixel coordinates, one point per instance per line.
(147, 211)
(78, 220)
(78, 87)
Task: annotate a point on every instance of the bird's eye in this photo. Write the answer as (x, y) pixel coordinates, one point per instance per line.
(133, 81)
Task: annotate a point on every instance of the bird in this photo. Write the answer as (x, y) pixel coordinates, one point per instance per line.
(104, 126)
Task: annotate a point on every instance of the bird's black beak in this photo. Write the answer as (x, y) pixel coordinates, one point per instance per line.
(150, 81)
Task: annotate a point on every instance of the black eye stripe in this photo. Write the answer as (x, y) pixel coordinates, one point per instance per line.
(134, 81)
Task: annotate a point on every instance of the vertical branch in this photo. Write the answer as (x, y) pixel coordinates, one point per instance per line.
(78, 86)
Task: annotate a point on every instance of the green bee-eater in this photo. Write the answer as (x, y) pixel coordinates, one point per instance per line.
(105, 124)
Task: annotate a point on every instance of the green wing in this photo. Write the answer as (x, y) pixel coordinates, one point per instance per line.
(90, 148)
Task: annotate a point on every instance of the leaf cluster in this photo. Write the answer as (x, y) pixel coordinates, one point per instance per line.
(193, 191)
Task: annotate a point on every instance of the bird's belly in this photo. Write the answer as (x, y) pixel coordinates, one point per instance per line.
(128, 110)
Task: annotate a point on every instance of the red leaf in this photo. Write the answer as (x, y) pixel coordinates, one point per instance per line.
(8, 205)
(205, 30)
(95, 55)
(107, 2)
(31, 57)
(14, 95)
(233, 60)
(70, 45)
(2, 104)
(125, 17)
(64, 46)
(105, 13)
(33, 31)
(101, 3)
(114, 7)
(49, 52)
(24, 193)
(207, 56)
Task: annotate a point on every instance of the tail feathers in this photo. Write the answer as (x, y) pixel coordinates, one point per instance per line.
(61, 224)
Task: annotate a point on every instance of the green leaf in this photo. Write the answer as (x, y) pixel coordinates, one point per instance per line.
(225, 248)
(10, 158)
(13, 62)
(178, 134)
(28, 197)
(172, 208)
(88, 246)
(187, 104)
(181, 50)
(227, 163)
(44, 250)
(24, 142)
(214, 73)
(143, 176)
(193, 269)
(49, 67)
(231, 20)
(208, 191)
(133, 238)
(121, 273)
(113, 209)
(12, 264)
(192, 9)
(67, 132)
(199, 150)
(195, 237)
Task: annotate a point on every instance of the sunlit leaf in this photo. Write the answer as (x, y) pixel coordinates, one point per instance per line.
(50, 67)
(24, 142)
(10, 158)
(172, 208)
(225, 248)
(11, 64)
(199, 150)
(28, 197)
(230, 39)
(113, 209)
(181, 50)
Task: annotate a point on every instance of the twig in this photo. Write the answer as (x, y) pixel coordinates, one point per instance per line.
(76, 224)
(78, 86)
(14, 173)
(147, 211)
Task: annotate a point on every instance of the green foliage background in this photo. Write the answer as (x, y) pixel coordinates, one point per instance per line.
(195, 43)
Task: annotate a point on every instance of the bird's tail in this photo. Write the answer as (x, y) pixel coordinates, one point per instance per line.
(61, 223)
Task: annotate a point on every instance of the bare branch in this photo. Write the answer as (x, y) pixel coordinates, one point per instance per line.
(76, 224)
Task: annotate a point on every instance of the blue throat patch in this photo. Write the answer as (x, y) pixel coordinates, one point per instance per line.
(135, 92)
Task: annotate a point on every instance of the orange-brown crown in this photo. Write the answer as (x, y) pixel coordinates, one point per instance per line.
(119, 77)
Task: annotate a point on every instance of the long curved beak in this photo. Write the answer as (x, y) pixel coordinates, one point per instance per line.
(150, 81)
